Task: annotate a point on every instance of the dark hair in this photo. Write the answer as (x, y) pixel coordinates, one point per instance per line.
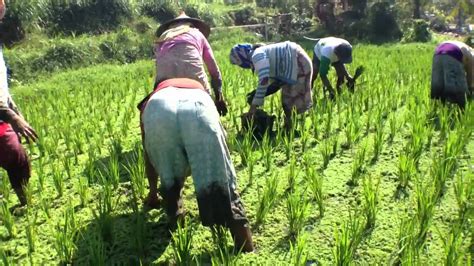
(258, 45)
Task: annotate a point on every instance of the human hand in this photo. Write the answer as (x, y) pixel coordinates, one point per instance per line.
(350, 83)
(221, 105)
(23, 129)
(250, 114)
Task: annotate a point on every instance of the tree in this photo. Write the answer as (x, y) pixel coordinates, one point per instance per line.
(416, 9)
(461, 10)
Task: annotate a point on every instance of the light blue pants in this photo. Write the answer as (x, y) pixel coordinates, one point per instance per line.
(182, 135)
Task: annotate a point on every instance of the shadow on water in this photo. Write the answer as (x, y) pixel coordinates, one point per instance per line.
(124, 239)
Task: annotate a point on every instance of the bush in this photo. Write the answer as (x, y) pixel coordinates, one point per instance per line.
(197, 11)
(243, 16)
(142, 27)
(439, 24)
(126, 47)
(86, 16)
(159, 11)
(300, 22)
(382, 23)
(355, 29)
(418, 32)
(60, 57)
(192, 10)
(469, 40)
(12, 27)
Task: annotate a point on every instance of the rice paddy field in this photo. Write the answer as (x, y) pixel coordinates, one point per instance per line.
(380, 176)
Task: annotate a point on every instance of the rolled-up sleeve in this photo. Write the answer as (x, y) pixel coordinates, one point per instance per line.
(211, 64)
(262, 67)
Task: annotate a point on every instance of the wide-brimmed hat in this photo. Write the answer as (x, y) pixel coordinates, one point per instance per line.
(197, 23)
(344, 53)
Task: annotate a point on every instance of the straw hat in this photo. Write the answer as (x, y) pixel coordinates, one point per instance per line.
(197, 23)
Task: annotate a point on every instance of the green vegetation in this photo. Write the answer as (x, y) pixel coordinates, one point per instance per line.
(329, 191)
(90, 150)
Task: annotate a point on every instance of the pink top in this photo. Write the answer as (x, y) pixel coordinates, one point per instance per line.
(195, 38)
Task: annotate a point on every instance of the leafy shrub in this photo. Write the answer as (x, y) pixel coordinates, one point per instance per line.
(142, 27)
(382, 23)
(86, 16)
(469, 40)
(300, 23)
(126, 47)
(264, 3)
(192, 10)
(11, 29)
(159, 11)
(243, 16)
(12, 26)
(418, 32)
(438, 24)
(59, 57)
(197, 11)
(358, 6)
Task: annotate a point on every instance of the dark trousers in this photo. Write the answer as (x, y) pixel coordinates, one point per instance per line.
(14, 160)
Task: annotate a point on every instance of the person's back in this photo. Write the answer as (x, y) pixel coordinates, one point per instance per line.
(452, 77)
(182, 52)
(279, 59)
(326, 47)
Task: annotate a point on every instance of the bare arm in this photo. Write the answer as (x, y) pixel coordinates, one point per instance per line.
(2, 9)
(315, 70)
(19, 125)
(213, 69)
(216, 78)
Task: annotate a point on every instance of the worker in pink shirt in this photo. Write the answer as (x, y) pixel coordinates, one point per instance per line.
(182, 50)
(182, 134)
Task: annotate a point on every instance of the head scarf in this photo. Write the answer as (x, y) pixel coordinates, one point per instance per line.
(241, 55)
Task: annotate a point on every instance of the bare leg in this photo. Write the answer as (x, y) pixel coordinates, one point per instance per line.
(242, 237)
(152, 200)
(173, 202)
(340, 71)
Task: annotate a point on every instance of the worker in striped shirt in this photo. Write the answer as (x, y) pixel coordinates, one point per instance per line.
(282, 65)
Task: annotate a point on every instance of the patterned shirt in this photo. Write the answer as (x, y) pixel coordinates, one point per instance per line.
(274, 62)
(203, 50)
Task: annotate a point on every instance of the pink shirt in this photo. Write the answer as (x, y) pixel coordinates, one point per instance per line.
(195, 38)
